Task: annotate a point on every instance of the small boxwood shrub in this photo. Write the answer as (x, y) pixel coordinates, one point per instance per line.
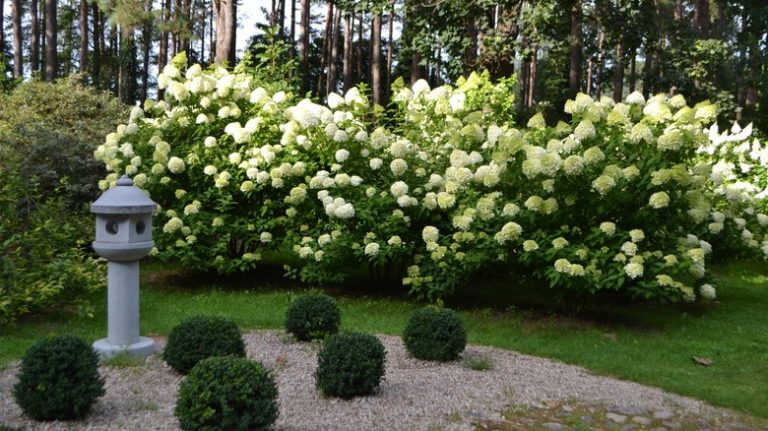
(350, 364)
(200, 337)
(227, 393)
(313, 316)
(435, 334)
(59, 379)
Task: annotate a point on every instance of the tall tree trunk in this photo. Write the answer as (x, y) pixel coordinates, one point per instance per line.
(225, 31)
(147, 48)
(2, 25)
(186, 32)
(325, 51)
(359, 48)
(18, 54)
(126, 89)
(390, 50)
(51, 44)
(98, 35)
(589, 77)
(347, 67)
(304, 43)
(281, 19)
(83, 36)
(293, 29)
(618, 73)
(678, 13)
(376, 57)
(174, 46)
(34, 35)
(212, 37)
(633, 71)
(165, 16)
(525, 69)
(532, 77)
(574, 74)
(332, 60)
(701, 17)
(648, 72)
(599, 86)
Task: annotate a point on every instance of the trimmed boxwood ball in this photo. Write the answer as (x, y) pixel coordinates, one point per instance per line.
(227, 393)
(313, 316)
(59, 379)
(200, 337)
(435, 334)
(350, 364)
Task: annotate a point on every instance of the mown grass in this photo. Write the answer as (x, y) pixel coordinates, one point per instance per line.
(650, 344)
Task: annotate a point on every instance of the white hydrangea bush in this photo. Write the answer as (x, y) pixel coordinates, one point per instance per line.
(444, 186)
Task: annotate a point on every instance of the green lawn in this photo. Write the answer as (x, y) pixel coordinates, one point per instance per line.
(653, 345)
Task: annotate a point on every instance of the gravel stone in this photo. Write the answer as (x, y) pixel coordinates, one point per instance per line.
(415, 395)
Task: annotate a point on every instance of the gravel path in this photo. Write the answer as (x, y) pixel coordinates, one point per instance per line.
(415, 395)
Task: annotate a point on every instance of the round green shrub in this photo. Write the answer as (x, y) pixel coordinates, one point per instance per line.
(435, 334)
(200, 337)
(59, 379)
(227, 393)
(350, 364)
(313, 316)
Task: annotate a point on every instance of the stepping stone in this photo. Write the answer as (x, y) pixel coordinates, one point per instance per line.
(642, 420)
(554, 426)
(663, 414)
(616, 417)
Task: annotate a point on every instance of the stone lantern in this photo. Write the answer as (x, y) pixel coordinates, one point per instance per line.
(123, 236)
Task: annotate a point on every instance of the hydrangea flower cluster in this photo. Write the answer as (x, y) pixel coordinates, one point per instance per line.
(629, 196)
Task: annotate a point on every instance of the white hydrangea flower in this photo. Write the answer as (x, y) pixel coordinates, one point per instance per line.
(584, 130)
(659, 200)
(371, 249)
(636, 98)
(530, 245)
(430, 234)
(398, 167)
(637, 235)
(173, 225)
(559, 243)
(593, 155)
(342, 155)
(629, 248)
(375, 163)
(176, 165)
(708, 292)
(509, 232)
(608, 228)
(603, 184)
(398, 189)
(633, 270)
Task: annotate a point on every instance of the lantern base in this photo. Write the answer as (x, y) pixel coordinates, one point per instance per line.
(140, 349)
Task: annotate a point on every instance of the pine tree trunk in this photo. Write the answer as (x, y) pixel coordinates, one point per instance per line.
(332, 60)
(648, 72)
(574, 74)
(162, 55)
(281, 19)
(470, 53)
(360, 47)
(98, 34)
(525, 69)
(292, 53)
(532, 77)
(126, 90)
(186, 33)
(390, 50)
(18, 54)
(225, 34)
(618, 74)
(212, 37)
(2, 24)
(83, 36)
(51, 43)
(304, 43)
(633, 71)
(599, 86)
(376, 58)
(347, 67)
(701, 17)
(415, 67)
(147, 41)
(325, 51)
(174, 47)
(34, 35)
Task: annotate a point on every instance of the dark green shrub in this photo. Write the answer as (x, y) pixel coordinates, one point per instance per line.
(227, 393)
(200, 337)
(435, 334)
(350, 364)
(313, 316)
(59, 379)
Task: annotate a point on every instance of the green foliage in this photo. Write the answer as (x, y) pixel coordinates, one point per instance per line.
(350, 364)
(227, 393)
(435, 334)
(200, 337)
(313, 316)
(269, 61)
(59, 379)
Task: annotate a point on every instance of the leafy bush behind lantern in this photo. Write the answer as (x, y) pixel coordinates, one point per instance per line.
(200, 337)
(59, 379)
(350, 364)
(435, 334)
(313, 316)
(623, 198)
(227, 393)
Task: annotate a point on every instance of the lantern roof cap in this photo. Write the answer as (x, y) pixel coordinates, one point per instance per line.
(124, 198)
